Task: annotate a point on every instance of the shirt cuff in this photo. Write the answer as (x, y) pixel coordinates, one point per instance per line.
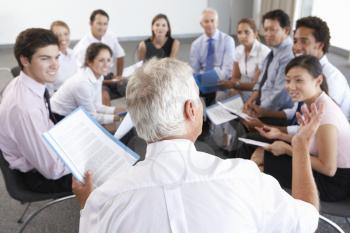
(292, 129)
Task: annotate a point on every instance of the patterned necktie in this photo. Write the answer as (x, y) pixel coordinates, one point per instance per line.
(47, 101)
(264, 78)
(209, 63)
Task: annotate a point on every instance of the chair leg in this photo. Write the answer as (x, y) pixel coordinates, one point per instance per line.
(33, 214)
(332, 224)
(347, 220)
(20, 220)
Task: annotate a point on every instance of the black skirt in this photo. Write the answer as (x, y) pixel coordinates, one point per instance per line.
(333, 188)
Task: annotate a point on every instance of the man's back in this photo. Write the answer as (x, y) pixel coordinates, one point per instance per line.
(177, 189)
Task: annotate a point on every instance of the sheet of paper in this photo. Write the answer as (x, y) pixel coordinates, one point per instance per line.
(85, 145)
(236, 109)
(128, 71)
(125, 126)
(254, 142)
(218, 115)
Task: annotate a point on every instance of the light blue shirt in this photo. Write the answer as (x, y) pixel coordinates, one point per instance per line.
(224, 52)
(273, 93)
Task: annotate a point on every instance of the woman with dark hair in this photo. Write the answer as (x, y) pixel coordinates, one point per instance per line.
(330, 158)
(248, 57)
(160, 44)
(84, 89)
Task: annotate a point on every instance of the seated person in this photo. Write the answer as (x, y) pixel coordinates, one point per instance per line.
(213, 49)
(249, 56)
(161, 44)
(114, 84)
(269, 93)
(84, 89)
(68, 64)
(179, 189)
(312, 37)
(330, 146)
(25, 114)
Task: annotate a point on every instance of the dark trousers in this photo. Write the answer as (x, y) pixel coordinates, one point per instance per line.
(333, 188)
(38, 183)
(244, 150)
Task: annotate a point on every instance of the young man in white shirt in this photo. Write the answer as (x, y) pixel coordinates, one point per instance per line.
(25, 114)
(114, 84)
(179, 189)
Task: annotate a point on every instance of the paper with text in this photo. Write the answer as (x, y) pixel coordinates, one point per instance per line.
(84, 145)
(219, 114)
(254, 142)
(125, 126)
(130, 70)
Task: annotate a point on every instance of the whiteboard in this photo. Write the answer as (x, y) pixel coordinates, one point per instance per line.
(128, 18)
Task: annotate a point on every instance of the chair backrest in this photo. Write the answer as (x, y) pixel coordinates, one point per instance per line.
(16, 187)
(339, 208)
(13, 180)
(15, 71)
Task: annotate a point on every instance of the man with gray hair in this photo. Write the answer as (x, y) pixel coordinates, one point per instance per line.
(179, 189)
(213, 49)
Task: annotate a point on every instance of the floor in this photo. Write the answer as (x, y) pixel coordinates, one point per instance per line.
(64, 217)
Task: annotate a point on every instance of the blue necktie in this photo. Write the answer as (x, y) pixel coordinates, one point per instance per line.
(209, 63)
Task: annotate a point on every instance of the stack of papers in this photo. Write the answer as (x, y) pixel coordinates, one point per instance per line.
(84, 145)
(222, 111)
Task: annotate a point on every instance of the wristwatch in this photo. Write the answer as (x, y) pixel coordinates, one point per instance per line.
(237, 84)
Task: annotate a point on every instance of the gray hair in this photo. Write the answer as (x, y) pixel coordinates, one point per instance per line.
(210, 10)
(156, 95)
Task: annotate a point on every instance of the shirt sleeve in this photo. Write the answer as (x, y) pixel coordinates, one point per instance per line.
(292, 129)
(229, 53)
(79, 53)
(194, 56)
(290, 112)
(283, 213)
(119, 51)
(28, 132)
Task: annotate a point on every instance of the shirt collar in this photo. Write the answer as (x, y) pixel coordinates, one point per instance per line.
(33, 85)
(91, 76)
(254, 51)
(183, 146)
(214, 37)
(323, 60)
(286, 42)
(94, 39)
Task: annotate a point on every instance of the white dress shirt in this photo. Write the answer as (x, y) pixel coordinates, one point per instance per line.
(68, 67)
(82, 90)
(178, 189)
(224, 48)
(108, 38)
(24, 118)
(248, 64)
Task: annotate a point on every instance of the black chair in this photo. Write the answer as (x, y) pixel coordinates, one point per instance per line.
(15, 71)
(18, 191)
(339, 209)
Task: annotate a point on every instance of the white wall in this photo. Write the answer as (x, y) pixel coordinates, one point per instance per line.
(128, 18)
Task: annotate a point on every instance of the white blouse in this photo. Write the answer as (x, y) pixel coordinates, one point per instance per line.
(82, 90)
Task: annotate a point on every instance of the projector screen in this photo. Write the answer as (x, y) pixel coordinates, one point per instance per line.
(128, 18)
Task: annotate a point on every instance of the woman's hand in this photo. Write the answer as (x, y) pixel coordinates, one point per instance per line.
(278, 148)
(269, 132)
